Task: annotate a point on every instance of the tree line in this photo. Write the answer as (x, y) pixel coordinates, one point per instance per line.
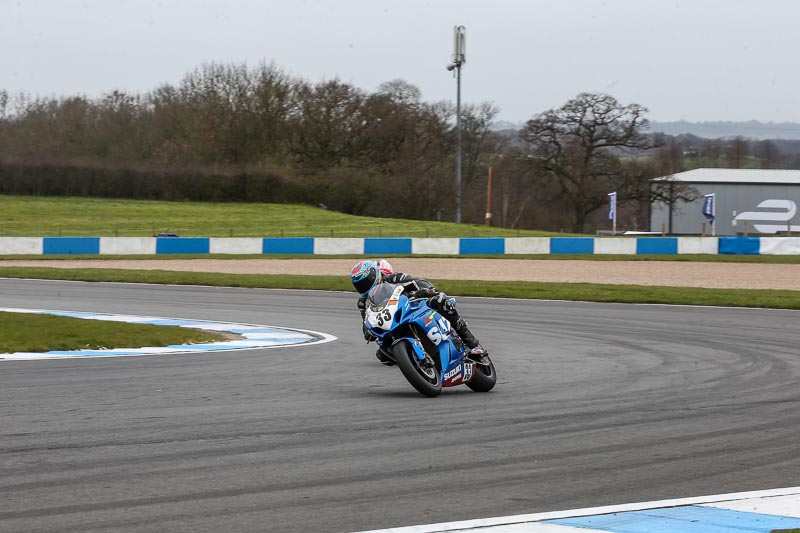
(229, 132)
(236, 133)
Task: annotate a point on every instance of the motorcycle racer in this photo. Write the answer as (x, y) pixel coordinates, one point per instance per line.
(367, 274)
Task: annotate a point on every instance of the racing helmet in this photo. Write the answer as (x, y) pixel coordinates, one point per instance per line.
(364, 276)
(384, 266)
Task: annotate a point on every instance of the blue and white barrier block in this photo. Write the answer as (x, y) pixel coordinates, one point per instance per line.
(289, 245)
(740, 245)
(398, 246)
(572, 245)
(21, 246)
(779, 246)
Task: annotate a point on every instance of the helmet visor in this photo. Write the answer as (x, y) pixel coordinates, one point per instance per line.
(365, 284)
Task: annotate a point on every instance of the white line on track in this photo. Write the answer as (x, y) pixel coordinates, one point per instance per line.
(495, 525)
(253, 336)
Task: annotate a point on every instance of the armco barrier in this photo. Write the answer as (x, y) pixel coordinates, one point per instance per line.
(398, 246)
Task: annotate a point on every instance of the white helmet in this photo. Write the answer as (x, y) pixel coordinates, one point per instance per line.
(384, 266)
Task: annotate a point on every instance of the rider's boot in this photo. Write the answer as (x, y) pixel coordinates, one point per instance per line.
(476, 352)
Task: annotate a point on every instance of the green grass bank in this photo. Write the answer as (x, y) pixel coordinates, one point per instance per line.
(28, 332)
(35, 216)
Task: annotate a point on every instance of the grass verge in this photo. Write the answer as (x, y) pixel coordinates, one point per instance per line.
(520, 289)
(27, 332)
(108, 217)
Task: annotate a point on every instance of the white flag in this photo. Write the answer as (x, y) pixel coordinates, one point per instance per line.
(612, 206)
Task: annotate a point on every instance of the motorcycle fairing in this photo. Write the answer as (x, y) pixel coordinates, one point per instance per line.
(460, 373)
(438, 330)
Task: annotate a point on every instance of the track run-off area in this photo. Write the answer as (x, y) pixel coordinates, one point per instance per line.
(596, 405)
(241, 336)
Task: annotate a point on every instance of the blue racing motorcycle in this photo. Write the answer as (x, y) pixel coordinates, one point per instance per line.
(422, 343)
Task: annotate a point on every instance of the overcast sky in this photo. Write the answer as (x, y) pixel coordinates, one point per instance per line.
(695, 60)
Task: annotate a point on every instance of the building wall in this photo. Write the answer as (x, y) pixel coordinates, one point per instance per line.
(687, 218)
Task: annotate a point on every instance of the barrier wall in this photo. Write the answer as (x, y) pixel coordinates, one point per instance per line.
(572, 245)
(21, 245)
(779, 246)
(698, 245)
(615, 245)
(127, 245)
(740, 245)
(398, 246)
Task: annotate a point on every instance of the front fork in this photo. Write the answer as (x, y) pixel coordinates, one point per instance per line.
(424, 358)
(416, 346)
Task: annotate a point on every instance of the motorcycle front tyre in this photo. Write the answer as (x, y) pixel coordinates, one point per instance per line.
(428, 382)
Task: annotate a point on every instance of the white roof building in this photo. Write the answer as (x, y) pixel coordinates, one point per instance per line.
(751, 201)
(736, 175)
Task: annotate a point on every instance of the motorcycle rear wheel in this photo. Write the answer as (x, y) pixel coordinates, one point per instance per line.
(427, 380)
(484, 378)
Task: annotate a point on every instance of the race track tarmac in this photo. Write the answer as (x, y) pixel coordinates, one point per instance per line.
(596, 404)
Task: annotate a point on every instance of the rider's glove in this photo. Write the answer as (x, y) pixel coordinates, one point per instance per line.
(425, 293)
(442, 302)
(439, 299)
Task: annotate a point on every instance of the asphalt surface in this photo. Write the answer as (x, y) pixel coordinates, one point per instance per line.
(596, 404)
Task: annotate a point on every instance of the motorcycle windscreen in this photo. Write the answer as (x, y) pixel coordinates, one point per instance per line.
(380, 294)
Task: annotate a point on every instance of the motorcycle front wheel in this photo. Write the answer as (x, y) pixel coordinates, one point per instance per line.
(425, 378)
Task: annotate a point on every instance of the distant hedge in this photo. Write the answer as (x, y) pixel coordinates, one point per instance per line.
(63, 179)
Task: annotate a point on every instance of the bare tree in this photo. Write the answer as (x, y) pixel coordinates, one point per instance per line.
(581, 144)
(522, 196)
(736, 151)
(653, 182)
(768, 154)
(329, 124)
(4, 101)
(400, 91)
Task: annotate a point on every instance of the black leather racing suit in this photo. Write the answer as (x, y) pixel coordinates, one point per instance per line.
(441, 305)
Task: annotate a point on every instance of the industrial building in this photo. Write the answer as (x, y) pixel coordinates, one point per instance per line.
(746, 201)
